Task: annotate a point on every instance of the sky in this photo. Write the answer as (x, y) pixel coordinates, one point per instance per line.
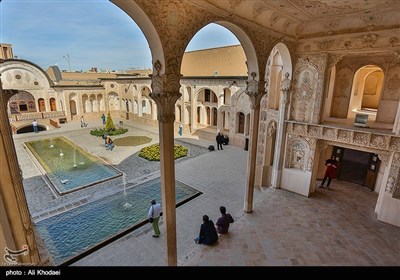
(80, 34)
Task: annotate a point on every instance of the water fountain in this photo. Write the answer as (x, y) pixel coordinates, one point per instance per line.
(68, 167)
(70, 233)
(74, 156)
(126, 205)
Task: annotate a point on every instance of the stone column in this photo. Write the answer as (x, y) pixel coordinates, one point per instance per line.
(15, 217)
(280, 145)
(193, 113)
(165, 92)
(396, 126)
(139, 101)
(82, 105)
(255, 93)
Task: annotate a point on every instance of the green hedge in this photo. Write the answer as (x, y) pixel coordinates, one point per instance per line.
(132, 141)
(152, 152)
(100, 131)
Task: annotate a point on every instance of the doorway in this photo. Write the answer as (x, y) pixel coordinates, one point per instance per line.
(357, 167)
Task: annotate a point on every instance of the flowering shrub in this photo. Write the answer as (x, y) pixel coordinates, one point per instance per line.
(152, 152)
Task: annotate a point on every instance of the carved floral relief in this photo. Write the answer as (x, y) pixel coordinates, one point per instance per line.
(297, 156)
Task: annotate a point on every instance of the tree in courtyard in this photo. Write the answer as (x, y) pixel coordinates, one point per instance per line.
(109, 123)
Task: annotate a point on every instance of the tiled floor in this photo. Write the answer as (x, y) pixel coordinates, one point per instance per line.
(331, 228)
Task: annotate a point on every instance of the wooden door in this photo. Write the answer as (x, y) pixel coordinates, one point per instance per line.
(372, 172)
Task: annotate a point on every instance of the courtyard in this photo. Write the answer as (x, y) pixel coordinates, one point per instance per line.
(332, 228)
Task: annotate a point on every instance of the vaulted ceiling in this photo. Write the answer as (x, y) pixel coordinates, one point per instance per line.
(314, 18)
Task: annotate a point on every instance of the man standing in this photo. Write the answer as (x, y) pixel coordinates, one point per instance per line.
(83, 124)
(154, 216)
(35, 126)
(180, 129)
(330, 171)
(219, 140)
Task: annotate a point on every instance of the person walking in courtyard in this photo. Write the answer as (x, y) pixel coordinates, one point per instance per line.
(83, 124)
(103, 117)
(208, 234)
(154, 217)
(330, 171)
(220, 140)
(224, 221)
(180, 129)
(35, 126)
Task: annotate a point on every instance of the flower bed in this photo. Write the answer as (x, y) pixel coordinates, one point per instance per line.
(152, 152)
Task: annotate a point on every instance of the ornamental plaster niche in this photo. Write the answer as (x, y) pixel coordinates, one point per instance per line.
(243, 103)
(312, 144)
(271, 129)
(304, 94)
(264, 103)
(342, 92)
(297, 156)
(262, 128)
(263, 116)
(272, 114)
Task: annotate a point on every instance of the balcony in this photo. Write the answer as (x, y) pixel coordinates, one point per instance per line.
(363, 137)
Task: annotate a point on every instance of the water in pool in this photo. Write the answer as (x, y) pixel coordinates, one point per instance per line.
(70, 233)
(68, 166)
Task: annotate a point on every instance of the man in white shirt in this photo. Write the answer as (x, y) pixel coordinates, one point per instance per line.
(154, 216)
(35, 126)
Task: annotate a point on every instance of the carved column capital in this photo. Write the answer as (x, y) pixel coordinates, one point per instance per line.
(165, 105)
(334, 59)
(165, 92)
(255, 90)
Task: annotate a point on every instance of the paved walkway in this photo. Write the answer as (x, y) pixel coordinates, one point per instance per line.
(336, 227)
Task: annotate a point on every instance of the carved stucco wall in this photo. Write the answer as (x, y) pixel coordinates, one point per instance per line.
(388, 105)
(392, 85)
(347, 43)
(299, 153)
(384, 145)
(23, 76)
(239, 97)
(266, 131)
(342, 92)
(308, 88)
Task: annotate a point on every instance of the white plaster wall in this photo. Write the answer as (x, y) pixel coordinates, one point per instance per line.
(296, 181)
(379, 180)
(387, 111)
(389, 211)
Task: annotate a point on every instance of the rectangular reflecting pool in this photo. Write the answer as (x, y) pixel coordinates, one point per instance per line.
(67, 166)
(89, 226)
